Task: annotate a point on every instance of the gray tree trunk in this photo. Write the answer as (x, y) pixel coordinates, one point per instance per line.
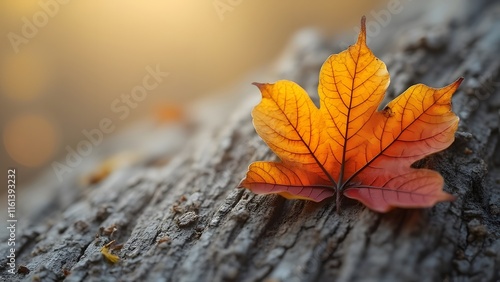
(186, 221)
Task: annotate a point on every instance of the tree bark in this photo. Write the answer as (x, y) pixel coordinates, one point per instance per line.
(186, 221)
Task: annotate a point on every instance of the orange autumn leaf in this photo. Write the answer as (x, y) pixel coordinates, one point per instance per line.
(348, 147)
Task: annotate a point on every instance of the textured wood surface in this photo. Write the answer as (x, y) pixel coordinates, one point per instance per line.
(185, 221)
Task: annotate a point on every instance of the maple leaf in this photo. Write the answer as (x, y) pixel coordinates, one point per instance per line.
(346, 146)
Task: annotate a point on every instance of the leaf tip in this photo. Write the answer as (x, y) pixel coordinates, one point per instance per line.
(459, 81)
(454, 85)
(240, 185)
(447, 197)
(363, 22)
(362, 32)
(264, 89)
(258, 84)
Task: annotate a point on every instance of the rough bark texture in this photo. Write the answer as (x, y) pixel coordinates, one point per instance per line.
(185, 221)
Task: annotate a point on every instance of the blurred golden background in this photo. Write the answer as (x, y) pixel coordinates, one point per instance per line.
(63, 63)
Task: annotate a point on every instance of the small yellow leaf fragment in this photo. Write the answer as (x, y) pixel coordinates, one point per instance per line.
(105, 251)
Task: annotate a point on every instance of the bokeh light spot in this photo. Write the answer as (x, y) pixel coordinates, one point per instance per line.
(30, 140)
